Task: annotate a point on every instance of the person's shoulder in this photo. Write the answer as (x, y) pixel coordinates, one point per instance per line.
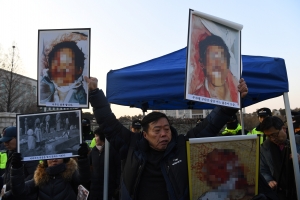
(266, 145)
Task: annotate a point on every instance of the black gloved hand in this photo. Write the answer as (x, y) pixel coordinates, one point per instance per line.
(16, 160)
(83, 150)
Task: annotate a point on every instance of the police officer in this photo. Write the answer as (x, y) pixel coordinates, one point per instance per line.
(233, 127)
(136, 126)
(262, 113)
(87, 133)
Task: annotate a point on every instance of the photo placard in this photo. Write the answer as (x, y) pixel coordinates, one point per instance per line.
(213, 67)
(63, 61)
(49, 135)
(224, 167)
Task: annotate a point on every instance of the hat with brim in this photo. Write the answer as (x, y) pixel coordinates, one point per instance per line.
(136, 124)
(9, 133)
(264, 112)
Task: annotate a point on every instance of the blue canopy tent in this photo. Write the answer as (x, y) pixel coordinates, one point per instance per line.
(158, 84)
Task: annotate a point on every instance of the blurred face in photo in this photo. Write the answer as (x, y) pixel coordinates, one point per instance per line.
(62, 67)
(216, 65)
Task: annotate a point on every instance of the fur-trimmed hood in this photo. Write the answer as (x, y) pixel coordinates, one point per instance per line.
(41, 176)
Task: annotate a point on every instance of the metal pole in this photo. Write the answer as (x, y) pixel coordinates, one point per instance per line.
(242, 120)
(293, 142)
(106, 170)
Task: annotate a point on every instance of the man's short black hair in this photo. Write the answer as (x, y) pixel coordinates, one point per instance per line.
(100, 133)
(79, 55)
(152, 117)
(271, 121)
(212, 40)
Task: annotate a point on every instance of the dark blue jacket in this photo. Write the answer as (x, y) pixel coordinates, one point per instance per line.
(132, 147)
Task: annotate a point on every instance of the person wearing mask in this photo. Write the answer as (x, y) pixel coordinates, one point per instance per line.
(156, 159)
(10, 142)
(54, 179)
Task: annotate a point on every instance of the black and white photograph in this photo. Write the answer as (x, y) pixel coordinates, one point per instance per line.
(49, 135)
(63, 61)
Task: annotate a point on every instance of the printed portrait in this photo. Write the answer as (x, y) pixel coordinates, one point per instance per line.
(63, 61)
(224, 169)
(213, 63)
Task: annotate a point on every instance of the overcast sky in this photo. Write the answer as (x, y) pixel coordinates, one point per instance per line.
(128, 32)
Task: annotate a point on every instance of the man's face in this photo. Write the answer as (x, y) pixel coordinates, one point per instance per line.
(11, 144)
(98, 141)
(63, 68)
(158, 134)
(54, 162)
(276, 136)
(216, 65)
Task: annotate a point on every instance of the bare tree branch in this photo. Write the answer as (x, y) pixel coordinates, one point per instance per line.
(17, 92)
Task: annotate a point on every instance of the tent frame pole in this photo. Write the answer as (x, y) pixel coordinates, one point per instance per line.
(292, 142)
(106, 170)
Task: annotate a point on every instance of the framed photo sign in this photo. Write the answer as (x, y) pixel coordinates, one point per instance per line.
(63, 61)
(223, 167)
(49, 135)
(213, 60)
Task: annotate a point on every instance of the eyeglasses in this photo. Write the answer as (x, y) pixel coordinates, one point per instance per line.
(273, 135)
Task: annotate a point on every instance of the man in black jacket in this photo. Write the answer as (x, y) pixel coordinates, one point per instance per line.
(97, 158)
(156, 159)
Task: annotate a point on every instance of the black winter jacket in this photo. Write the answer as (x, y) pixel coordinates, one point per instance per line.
(96, 158)
(134, 146)
(60, 183)
(28, 170)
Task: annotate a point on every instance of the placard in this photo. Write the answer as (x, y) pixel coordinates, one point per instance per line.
(213, 60)
(49, 135)
(224, 167)
(63, 61)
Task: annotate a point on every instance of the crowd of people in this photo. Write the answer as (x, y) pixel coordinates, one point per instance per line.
(148, 160)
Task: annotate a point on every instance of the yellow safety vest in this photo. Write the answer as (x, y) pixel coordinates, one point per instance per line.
(256, 132)
(93, 143)
(232, 131)
(3, 160)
